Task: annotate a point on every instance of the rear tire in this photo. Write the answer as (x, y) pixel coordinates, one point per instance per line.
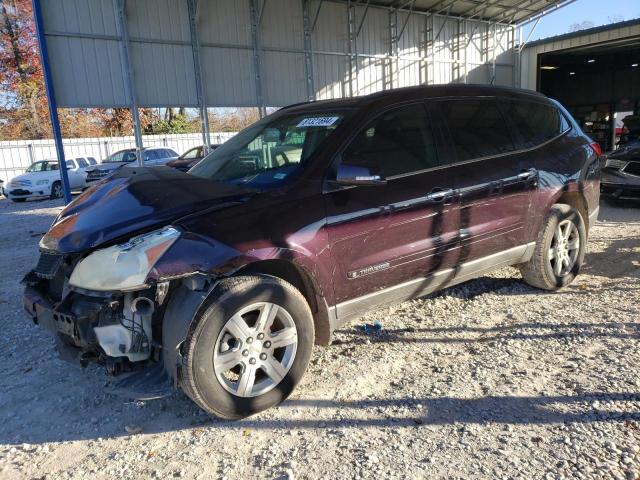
(559, 252)
(248, 347)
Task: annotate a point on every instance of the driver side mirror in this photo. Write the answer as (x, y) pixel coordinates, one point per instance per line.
(354, 175)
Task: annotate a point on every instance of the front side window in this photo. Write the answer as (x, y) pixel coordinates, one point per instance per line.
(92, 161)
(268, 152)
(477, 128)
(71, 165)
(44, 166)
(398, 142)
(83, 163)
(535, 123)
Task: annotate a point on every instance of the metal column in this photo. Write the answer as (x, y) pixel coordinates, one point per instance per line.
(51, 100)
(308, 51)
(192, 6)
(129, 80)
(256, 17)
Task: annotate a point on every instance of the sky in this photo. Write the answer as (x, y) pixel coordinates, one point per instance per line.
(600, 12)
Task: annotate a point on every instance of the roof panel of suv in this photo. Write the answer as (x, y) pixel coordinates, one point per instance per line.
(414, 93)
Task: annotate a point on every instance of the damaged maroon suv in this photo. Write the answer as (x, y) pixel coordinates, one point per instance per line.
(219, 281)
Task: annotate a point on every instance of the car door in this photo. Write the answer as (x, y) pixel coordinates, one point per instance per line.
(382, 236)
(75, 178)
(493, 183)
(83, 164)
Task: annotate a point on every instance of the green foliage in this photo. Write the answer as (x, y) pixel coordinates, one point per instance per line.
(177, 124)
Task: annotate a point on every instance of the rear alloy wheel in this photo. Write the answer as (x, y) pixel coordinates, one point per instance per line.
(564, 249)
(248, 347)
(56, 190)
(559, 251)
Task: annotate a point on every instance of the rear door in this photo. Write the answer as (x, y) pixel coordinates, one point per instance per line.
(382, 236)
(493, 184)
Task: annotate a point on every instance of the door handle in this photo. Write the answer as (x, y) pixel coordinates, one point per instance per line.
(439, 195)
(527, 174)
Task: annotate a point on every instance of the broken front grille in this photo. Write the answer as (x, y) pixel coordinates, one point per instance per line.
(97, 174)
(48, 264)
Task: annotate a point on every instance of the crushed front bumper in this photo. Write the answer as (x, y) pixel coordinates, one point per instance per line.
(76, 342)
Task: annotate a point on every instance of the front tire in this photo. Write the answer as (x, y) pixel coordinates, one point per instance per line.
(559, 252)
(56, 190)
(248, 348)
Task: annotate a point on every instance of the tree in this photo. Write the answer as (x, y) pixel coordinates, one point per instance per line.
(24, 107)
(24, 110)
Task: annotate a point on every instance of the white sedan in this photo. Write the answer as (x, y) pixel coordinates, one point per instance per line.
(42, 179)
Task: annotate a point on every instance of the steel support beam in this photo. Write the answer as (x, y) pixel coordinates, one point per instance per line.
(308, 51)
(192, 6)
(353, 49)
(129, 81)
(51, 99)
(256, 16)
(493, 55)
(393, 45)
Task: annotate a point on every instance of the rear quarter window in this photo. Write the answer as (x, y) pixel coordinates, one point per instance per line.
(534, 123)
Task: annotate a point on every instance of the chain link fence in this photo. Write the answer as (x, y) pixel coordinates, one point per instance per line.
(17, 155)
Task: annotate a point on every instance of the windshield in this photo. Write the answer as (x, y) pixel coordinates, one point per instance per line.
(45, 166)
(122, 156)
(269, 151)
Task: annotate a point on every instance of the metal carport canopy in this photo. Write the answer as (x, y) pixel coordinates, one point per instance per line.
(157, 53)
(217, 53)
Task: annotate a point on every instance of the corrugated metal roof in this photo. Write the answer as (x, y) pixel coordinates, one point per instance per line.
(373, 45)
(501, 11)
(583, 33)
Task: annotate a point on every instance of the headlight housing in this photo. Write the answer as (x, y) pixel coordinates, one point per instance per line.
(614, 163)
(42, 182)
(125, 266)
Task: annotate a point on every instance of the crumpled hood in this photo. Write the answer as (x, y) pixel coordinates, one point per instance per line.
(133, 200)
(31, 177)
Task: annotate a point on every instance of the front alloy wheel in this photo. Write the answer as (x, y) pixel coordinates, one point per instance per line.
(248, 347)
(255, 349)
(56, 190)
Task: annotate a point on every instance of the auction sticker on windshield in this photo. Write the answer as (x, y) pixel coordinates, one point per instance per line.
(318, 122)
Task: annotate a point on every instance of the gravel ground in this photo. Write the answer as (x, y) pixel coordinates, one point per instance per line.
(490, 379)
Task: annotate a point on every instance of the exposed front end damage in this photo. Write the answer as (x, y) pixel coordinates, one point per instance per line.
(113, 329)
(120, 330)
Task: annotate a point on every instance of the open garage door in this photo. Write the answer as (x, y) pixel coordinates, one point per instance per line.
(594, 73)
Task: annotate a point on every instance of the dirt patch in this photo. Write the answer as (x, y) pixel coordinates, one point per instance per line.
(489, 379)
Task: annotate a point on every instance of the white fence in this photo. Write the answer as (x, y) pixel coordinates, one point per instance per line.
(16, 156)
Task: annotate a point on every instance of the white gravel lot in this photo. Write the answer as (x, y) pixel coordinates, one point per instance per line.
(490, 379)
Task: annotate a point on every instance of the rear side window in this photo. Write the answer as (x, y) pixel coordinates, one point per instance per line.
(398, 142)
(477, 128)
(92, 160)
(83, 163)
(534, 123)
(167, 152)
